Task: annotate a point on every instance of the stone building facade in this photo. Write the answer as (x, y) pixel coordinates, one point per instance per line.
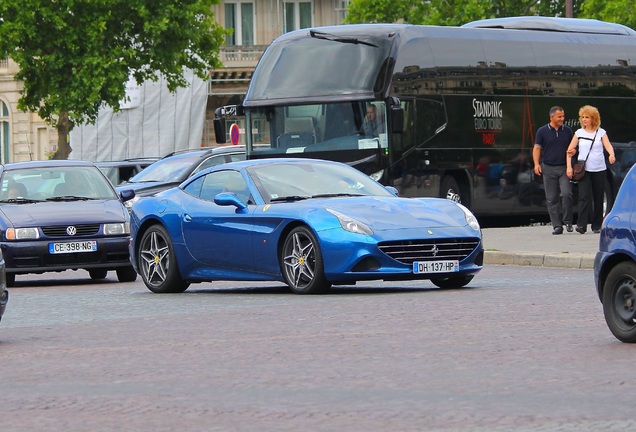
(255, 24)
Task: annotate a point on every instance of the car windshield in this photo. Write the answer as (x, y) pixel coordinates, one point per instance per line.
(54, 183)
(171, 169)
(289, 181)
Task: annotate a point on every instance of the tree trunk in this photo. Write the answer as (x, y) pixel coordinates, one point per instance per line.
(63, 128)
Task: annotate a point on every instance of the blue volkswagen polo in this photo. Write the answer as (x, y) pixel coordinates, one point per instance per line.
(62, 215)
(615, 263)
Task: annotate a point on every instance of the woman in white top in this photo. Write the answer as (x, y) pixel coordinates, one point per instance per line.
(591, 140)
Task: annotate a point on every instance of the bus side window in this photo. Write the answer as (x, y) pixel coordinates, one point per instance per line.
(430, 117)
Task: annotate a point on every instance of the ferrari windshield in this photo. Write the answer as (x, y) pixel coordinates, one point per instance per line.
(305, 179)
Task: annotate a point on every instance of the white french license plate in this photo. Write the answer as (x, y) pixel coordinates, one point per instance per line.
(435, 267)
(70, 247)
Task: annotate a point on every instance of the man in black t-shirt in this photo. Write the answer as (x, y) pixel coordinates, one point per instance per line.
(549, 153)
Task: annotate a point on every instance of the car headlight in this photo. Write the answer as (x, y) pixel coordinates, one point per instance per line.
(350, 224)
(116, 228)
(22, 233)
(470, 217)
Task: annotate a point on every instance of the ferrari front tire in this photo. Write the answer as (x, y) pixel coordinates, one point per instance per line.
(301, 262)
(158, 263)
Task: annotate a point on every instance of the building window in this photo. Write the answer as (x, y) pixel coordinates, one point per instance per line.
(240, 17)
(4, 133)
(298, 15)
(344, 7)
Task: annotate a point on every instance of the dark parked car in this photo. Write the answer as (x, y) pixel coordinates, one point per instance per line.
(4, 294)
(174, 168)
(615, 263)
(119, 172)
(61, 215)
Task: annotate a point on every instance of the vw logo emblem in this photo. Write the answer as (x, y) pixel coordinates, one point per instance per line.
(71, 230)
(434, 250)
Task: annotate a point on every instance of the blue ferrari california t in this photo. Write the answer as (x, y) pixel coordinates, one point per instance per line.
(308, 223)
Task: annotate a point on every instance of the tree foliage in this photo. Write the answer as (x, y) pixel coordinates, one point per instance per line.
(458, 12)
(618, 11)
(76, 55)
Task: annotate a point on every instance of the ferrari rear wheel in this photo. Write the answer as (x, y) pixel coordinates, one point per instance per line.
(158, 264)
(453, 281)
(302, 263)
(619, 302)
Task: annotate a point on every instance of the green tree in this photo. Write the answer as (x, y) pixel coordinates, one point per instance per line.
(77, 55)
(451, 12)
(618, 11)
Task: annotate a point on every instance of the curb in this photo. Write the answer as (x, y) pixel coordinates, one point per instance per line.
(540, 259)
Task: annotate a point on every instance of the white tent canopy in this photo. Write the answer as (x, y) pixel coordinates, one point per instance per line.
(153, 122)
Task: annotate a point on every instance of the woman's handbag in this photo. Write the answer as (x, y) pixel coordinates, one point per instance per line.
(578, 170)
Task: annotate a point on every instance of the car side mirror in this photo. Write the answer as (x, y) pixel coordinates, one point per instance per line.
(126, 195)
(229, 199)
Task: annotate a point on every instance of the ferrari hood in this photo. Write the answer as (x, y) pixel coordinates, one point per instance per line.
(64, 213)
(387, 213)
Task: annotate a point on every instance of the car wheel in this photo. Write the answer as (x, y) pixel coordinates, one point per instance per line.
(10, 279)
(619, 301)
(98, 273)
(301, 262)
(450, 189)
(158, 264)
(453, 281)
(126, 274)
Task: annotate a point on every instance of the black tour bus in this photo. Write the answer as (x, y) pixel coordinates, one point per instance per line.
(457, 107)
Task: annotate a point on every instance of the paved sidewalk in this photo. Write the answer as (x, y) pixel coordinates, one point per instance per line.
(536, 246)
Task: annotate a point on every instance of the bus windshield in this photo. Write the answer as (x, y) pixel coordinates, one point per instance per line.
(350, 63)
(317, 128)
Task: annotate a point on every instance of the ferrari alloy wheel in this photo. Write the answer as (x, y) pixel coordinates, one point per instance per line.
(453, 281)
(619, 301)
(302, 264)
(158, 264)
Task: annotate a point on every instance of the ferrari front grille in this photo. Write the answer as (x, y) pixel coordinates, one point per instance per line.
(409, 251)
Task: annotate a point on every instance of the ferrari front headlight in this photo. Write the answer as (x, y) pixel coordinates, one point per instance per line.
(350, 224)
(470, 218)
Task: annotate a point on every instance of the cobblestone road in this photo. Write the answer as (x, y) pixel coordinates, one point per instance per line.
(521, 349)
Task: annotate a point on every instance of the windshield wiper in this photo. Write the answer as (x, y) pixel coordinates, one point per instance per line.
(20, 200)
(332, 195)
(290, 198)
(335, 38)
(69, 198)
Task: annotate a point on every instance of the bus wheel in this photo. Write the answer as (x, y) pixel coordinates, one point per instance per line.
(450, 189)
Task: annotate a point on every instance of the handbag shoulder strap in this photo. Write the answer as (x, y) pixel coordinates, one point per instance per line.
(591, 139)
